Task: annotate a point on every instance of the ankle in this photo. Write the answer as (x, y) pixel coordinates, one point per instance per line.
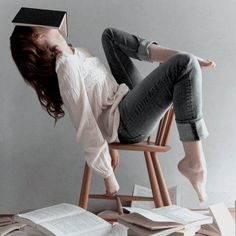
(194, 164)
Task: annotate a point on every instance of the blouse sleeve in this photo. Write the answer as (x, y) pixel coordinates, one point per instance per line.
(89, 136)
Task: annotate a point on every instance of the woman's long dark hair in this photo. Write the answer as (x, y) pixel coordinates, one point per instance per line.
(36, 64)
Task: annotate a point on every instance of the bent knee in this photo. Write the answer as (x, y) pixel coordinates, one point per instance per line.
(185, 58)
(107, 33)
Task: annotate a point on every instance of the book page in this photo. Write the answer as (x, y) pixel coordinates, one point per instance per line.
(180, 215)
(25, 233)
(147, 192)
(52, 212)
(5, 230)
(149, 214)
(135, 229)
(78, 224)
(18, 233)
(5, 221)
(118, 230)
(223, 219)
(63, 27)
(32, 231)
(209, 228)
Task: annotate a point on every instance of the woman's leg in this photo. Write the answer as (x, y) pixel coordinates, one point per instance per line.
(178, 80)
(118, 47)
(193, 166)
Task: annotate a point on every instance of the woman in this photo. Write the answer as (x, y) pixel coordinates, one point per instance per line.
(125, 107)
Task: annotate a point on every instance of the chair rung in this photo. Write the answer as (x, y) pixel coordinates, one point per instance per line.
(141, 146)
(122, 197)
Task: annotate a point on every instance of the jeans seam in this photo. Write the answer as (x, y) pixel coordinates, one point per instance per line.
(190, 91)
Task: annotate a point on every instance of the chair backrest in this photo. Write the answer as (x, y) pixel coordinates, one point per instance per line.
(164, 127)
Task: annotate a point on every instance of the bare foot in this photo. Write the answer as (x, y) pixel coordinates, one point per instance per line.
(111, 185)
(197, 175)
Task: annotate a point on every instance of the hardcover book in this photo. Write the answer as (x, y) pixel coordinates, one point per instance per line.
(43, 18)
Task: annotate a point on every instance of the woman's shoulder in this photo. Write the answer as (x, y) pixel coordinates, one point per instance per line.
(65, 59)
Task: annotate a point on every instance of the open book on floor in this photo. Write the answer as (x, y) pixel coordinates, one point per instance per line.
(65, 219)
(162, 221)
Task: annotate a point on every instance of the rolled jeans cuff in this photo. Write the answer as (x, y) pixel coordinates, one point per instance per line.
(143, 52)
(192, 131)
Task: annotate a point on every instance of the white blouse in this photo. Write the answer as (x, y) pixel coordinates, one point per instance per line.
(91, 96)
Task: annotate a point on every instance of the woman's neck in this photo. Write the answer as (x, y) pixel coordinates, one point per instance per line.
(62, 45)
(66, 48)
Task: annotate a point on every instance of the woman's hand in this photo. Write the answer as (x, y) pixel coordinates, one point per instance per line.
(115, 158)
(206, 63)
(111, 184)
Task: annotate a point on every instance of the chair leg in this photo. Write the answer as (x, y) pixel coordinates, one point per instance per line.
(84, 192)
(153, 181)
(161, 180)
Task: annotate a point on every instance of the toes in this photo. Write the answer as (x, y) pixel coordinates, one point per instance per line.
(196, 178)
(203, 197)
(201, 191)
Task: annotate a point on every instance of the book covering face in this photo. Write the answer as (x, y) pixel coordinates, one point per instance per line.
(43, 18)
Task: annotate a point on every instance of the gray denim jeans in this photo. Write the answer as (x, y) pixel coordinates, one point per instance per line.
(178, 80)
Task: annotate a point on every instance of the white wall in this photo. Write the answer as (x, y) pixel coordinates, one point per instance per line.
(42, 165)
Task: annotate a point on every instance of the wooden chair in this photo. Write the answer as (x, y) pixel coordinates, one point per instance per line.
(159, 189)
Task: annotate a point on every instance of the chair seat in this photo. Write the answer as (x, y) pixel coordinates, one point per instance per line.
(144, 146)
(150, 149)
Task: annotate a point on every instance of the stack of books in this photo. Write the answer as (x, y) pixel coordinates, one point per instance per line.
(170, 220)
(5, 220)
(223, 222)
(70, 220)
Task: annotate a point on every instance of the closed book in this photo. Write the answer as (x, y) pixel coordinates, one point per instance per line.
(43, 18)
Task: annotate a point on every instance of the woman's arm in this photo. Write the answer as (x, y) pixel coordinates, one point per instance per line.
(89, 135)
(160, 54)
